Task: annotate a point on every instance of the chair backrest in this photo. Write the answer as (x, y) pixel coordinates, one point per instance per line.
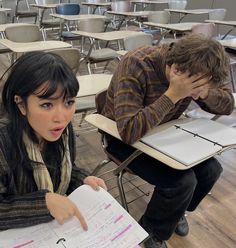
(162, 16)
(92, 25)
(177, 4)
(68, 9)
(100, 100)
(217, 14)
(71, 56)
(23, 33)
(123, 6)
(208, 30)
(136, 41)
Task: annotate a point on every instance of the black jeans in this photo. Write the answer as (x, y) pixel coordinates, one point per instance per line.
(175, 190)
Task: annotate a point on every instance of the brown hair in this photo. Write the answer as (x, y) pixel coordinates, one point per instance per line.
(197, 54)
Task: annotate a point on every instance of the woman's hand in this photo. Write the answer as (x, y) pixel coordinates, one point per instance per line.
(95, 182)
(62, 208)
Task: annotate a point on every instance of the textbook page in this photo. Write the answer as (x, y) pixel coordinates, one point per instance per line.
(181, 145)
(39, 236)
(109, 225)
(212, 130)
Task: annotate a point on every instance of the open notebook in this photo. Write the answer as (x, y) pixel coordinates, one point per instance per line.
(191, 141)
(109, 226)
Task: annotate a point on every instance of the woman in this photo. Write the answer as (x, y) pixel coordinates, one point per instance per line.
(37, 146)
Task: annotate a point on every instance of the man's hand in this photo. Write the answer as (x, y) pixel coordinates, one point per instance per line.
(182, 85)
(62, 208)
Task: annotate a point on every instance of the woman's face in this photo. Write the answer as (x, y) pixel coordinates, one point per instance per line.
(48, 117)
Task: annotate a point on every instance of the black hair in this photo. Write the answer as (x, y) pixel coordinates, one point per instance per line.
(26, 75)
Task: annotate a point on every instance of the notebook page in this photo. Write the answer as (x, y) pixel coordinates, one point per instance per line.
(109, 225)
(212, 130)
(39, 236)
(180, 145)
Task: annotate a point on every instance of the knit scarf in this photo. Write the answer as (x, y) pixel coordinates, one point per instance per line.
(40, 172)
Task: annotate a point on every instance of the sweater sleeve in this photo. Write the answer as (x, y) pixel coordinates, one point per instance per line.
(19, 210)
(219, 101)
(133, 118)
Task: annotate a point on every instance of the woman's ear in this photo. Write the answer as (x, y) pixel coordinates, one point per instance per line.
(20, 104)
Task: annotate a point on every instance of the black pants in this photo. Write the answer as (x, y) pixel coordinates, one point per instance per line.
(175, 190)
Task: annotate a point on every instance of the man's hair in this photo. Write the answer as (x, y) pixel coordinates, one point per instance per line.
(197, 54)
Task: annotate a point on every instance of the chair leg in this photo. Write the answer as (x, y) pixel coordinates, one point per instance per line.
(100, 166)
(121, 191)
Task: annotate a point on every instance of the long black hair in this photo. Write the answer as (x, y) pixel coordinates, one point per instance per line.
(26, 75)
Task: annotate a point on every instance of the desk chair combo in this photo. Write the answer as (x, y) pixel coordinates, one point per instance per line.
(94, 55)
(46, 24)
(68, 9)
(26, 13)
(122, 166)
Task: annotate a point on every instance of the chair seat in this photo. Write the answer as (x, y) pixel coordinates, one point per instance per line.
(103, 54)
(26, 14)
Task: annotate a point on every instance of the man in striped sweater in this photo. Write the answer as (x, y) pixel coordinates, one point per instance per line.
(153, 85)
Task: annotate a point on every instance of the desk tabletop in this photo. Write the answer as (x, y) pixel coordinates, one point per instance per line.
(191, 11)
(131, 13)
(5, 9)
(109, 126)
(78, 17)
(231, 43)
(181, 27)
(104, 4)
(45, 6)
(108, 36)
(34, 46)
(91, 84)
(149, 1)
(227, 23)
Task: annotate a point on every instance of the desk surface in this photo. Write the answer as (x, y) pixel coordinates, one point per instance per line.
(109, 126)
(181, 27)
(149, 2)
(4, 9)
(91, 84)
(191, 11)
(227, 23)
(45, 6)
(33, 46)
(78, 17)
(131, 13)
(107, 36)
(105, 4)
(228, 43)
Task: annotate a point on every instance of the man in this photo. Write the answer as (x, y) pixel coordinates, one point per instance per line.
(153, 85)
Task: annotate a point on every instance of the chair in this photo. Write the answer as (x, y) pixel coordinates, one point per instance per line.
(23, 33)
(100, 100)
(96, 55)
(161, 16)
(51, 23)
(136, 41)
(24, 13)
(217, 14)
(68, 9)
(120, 6)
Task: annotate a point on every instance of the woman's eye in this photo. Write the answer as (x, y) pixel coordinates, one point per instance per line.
(70, 102)
(46, 105)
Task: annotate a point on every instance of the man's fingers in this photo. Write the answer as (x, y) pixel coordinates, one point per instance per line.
(81, 219)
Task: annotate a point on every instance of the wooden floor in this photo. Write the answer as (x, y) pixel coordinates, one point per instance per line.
(212, 225)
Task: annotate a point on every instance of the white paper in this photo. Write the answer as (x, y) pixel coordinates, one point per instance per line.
(109, 226)
(180, 145)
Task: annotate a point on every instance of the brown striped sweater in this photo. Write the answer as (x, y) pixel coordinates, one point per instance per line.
(21, 203)
(136, 100)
